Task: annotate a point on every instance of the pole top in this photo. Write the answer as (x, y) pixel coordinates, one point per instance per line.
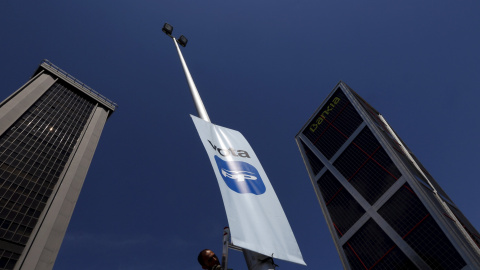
(168, 29)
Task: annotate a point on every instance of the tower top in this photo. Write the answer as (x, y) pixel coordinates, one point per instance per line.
(49, 67)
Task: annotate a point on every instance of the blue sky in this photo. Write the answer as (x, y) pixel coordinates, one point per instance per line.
(150, 200)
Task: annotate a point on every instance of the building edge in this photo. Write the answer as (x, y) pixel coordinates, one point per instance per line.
(46, 238)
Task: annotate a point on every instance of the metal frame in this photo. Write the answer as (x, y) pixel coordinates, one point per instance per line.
(64, 76)
(457, 236)
(371, 210)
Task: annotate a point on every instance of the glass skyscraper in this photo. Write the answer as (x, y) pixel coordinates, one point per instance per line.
(383, 209)
(49, 129)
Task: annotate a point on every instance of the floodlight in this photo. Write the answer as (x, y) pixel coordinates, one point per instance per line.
(182, 40)
(167, 29)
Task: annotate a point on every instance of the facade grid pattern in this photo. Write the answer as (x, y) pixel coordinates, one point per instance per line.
(8, 259)
(333, 125)
(431, 244)
(313, 160)
(365, 164)
(33, 154)
(373, 164)
(388, 136)
(343, 208)
(375, 117)
(410, 219)
(371, 248)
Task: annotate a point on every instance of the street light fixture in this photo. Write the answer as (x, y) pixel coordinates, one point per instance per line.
(182, 41)
(168, 29)
(251, 257)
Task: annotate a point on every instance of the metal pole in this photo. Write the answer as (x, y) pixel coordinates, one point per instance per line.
(255, 261)
(226, 242)
(202, 112)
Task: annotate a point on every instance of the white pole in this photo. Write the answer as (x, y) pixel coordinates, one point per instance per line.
(202, 112)
(226, 242)
(255, 261)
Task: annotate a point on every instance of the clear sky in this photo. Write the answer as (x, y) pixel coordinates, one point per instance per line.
(151, 200)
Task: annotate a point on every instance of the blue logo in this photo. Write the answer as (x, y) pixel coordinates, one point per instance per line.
(240, 176)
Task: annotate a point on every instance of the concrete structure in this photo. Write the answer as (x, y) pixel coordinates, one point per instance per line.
(49, 129)
(383, 209)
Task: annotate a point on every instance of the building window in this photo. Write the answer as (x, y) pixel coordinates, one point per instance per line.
(411, 220)
(33, 154)
(366, 165)
(342, 207)
(371, 248)
(313, 160)
(333, 124)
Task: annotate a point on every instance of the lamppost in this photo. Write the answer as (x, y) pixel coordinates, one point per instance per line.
(182, 40)
(255, 261)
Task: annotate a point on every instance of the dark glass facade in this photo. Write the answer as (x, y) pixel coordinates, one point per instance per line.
(315, 164)
(406, 214)
(52, 114)
(366, 165)
(33, 153)
(333, 124)
(378, 199)
(343, 208)
(371, 248)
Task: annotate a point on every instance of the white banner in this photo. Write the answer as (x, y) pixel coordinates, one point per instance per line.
(256, 218)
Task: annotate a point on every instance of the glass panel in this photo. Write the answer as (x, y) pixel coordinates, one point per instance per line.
(343, 208)
(371, 248)
(315, 164)
(333, 124)
(25, 168)
(410, 219)
(366, 165)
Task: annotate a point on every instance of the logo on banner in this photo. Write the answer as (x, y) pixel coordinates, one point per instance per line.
(240, 176)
